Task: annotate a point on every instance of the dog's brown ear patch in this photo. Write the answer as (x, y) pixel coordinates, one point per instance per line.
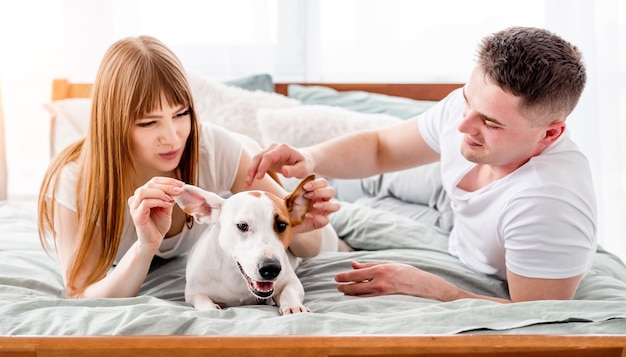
(296, 204)
(256, 194)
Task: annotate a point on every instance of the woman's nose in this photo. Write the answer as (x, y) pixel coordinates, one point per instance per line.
(168, 133)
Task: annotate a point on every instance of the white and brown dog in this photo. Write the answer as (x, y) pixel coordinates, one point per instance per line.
(242, 257)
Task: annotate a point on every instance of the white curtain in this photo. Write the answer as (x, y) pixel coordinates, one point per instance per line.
(31, 43)
(411, 41)
(3, 155)
(313, 40)
(221, 39)
(599, 121)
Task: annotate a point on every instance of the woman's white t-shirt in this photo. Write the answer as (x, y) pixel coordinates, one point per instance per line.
(539, 221)
(220, 152)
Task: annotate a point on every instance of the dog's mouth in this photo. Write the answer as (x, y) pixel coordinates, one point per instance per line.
(261, 289)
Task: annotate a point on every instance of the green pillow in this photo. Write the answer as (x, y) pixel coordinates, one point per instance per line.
(359, 101)
(262, 82)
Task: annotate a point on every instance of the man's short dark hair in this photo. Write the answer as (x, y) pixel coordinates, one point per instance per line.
(541, 68)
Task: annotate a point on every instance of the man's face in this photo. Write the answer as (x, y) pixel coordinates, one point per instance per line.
(495, 131)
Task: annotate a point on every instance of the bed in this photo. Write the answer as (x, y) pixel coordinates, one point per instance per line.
(402, 216)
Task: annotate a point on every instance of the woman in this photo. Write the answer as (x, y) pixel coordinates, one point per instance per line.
(106, 200)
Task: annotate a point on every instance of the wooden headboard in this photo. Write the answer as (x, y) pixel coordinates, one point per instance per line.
(62, 89)
(420, 91)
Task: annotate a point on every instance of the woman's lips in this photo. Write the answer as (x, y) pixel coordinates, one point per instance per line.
(170, 155)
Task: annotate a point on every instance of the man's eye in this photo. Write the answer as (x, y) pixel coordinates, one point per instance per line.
(243, 227)
(490, 124)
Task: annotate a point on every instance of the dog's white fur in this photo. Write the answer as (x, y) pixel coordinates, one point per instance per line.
(241, 258)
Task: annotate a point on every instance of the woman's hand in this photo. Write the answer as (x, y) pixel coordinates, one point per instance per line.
(151, 209)
(321, 196)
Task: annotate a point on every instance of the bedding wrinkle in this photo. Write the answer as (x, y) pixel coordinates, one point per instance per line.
(31, 304)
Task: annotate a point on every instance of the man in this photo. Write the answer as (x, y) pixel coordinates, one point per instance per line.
(520, 189)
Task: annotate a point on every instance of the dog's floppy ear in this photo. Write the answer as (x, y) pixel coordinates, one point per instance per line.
(297, 205)
(202, 205)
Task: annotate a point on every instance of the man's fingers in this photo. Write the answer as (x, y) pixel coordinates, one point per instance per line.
(353, 276)
(261, 163)
(354, 289)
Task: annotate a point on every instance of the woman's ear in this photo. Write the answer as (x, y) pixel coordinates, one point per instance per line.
(552, 132)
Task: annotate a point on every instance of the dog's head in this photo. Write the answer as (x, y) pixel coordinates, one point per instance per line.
(255, 228)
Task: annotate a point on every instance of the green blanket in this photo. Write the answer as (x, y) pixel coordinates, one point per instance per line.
(32, 302)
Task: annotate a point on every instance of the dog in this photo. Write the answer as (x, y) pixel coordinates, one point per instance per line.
(242, 257)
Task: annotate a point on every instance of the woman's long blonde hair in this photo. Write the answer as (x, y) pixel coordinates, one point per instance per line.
(134, 75)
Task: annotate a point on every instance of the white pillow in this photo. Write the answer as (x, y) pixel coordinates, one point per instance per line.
(228, 106)
(307, 125)
(69, 121)
(231, 107)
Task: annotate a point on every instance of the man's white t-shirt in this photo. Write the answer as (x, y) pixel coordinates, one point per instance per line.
(539, 221)
(220, 152)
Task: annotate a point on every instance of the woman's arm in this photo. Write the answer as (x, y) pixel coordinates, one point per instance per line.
(151, 209)
(124, 281)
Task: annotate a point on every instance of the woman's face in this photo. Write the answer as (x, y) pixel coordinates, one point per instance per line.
(158, 140)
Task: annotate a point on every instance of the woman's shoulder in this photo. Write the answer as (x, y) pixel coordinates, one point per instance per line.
(70, 170)
(66, 185)
(211, 129)
(220, 151)
(214, 137)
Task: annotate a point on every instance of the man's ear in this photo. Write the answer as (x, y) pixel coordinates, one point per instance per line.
(553, 131)
(202, 205)
(297, 205)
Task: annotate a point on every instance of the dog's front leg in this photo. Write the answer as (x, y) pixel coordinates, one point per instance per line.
(202, 302)
(291, 297)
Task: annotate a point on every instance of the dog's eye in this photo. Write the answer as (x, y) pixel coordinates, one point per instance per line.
(242, 227)
(280, 226)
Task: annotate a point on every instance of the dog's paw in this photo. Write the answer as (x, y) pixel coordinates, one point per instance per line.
(288, 310)
(207, 305)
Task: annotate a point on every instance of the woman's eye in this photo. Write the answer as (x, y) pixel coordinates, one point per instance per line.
(146, 124)
(183, 114)
(242, 227)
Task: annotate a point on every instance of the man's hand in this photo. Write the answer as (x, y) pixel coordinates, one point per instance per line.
(280, 158)
(387, 278)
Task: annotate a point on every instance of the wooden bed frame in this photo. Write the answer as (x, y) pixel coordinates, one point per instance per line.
(478, 345)
(63, 88)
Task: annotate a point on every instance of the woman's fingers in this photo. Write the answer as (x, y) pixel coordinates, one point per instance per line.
(158, 188)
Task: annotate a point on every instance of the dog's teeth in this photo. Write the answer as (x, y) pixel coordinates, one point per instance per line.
(264, 285)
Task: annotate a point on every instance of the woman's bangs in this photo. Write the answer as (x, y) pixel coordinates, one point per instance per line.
(149, 97)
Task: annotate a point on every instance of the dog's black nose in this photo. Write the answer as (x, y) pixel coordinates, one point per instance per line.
(269, 268)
